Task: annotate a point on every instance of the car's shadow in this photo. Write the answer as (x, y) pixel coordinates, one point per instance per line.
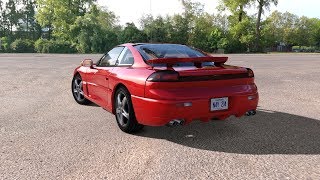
(93, 104)
(265, 133)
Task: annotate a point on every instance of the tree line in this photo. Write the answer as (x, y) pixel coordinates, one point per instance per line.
(82, 26)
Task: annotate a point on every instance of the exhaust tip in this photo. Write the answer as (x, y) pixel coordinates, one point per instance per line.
(176, 122)
(251, 113)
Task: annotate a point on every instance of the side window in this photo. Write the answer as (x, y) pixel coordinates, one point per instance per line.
(126, 57)
(111, 57)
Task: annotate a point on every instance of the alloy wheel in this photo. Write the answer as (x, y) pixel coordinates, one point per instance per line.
(122, 109)
(77, 89)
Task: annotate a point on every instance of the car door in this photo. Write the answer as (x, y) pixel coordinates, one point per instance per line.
(98, 77)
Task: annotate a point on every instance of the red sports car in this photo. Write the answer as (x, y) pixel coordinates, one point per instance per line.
(164, 84)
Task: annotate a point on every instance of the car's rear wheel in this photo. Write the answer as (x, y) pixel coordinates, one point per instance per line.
(77, 90)
(125, 116)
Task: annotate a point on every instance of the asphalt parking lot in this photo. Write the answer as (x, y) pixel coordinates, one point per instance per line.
(45, 134)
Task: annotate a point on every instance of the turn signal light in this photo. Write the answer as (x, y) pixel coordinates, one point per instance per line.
(164, 76)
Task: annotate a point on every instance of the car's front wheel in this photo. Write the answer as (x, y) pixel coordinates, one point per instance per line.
(77, 90)
(125, 116)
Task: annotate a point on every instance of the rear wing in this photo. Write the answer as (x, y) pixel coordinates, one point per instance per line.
(170, 62)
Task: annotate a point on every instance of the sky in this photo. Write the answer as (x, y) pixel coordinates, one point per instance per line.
(133, 10)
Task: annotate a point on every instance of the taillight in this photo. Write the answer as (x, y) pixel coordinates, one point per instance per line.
(164, 76)
(250, 73)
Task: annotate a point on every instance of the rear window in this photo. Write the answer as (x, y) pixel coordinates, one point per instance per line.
(156, 51)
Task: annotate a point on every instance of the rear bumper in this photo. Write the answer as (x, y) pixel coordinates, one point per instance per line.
(154, 112)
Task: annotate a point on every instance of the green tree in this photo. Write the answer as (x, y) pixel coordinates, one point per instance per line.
(29, 28)
(222, 22)
(192, 9)
(179, 31)
(2, 23)
(131, 34)
(199, 37)
(245, 31)
(280, 28)
(262, 5)
(315, 33)
(107, 19)
(155, 29)
(305, 31)
(46, 14)
(236, 7)
(89, 35)
(22, 46)
(12, 15)
(59, 15)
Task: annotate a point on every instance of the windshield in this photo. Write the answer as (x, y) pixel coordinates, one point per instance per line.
(156, 51)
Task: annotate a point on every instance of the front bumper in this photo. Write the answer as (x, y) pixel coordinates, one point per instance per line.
(154, 112)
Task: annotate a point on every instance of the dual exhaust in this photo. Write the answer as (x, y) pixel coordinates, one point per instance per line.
(251, 113)
(176, 122)
(180, 122)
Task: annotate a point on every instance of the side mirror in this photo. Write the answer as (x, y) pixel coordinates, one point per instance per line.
(87, 63)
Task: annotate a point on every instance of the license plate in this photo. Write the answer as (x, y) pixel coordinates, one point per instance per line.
(218, 104)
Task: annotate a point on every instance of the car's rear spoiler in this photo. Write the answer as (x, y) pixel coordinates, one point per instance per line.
(196, 60)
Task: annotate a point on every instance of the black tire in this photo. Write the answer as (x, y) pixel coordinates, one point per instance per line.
(77, 90)
(125, 115)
